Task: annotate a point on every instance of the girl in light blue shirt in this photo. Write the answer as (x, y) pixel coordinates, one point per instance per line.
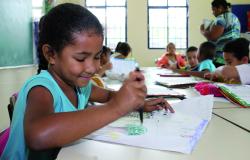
(51, 111)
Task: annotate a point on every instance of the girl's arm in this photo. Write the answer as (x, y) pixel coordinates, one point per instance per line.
(45, 129)
(192, 73)
(100, 95)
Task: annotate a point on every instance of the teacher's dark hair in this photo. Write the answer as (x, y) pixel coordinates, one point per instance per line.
(221, 3)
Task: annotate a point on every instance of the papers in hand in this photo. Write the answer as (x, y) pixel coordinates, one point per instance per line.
(207, 23)
(179, 131)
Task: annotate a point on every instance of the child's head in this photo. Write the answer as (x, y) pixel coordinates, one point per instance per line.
(236, 52)
(123, 48)
(70, 39)
(170, 48)
(206, 51)
(192, 56)
(106, 52)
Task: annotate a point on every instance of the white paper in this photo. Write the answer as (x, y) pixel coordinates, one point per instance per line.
(122, 66)
(178, 131)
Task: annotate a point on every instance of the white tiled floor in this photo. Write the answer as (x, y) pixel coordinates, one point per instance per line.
(10, 82)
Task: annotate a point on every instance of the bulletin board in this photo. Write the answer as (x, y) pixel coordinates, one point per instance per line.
(241, 12)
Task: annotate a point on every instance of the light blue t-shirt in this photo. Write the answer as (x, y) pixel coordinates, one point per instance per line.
(207, 65)
(16, 147)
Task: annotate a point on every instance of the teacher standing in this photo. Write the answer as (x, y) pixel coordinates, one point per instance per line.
(224, 28)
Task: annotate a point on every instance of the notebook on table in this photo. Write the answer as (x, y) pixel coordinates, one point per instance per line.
(238, 94)
(177, 82)
(159, 91)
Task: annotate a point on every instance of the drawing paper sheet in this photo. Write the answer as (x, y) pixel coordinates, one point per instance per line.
(178, 132)
(122, 66)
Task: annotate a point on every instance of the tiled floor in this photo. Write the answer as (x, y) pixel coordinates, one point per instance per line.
(10, 82)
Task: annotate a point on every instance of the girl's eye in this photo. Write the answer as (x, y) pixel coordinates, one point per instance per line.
(98, 57)
(80, 59)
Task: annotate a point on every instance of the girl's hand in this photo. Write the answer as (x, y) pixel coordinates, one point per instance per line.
(212, 76)
(132, 94)
(157, 104)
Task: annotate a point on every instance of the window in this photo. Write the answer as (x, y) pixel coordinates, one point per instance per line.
(113, 16)
(37, 9)
(167, 22)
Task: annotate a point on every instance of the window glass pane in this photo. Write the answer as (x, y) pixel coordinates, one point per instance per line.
(112, 15)
(158, 28)
(99, 13)
(116, 2)
(37, 3)
(177, 3)
(167, 23)
(95, 2)
(158, 2)
(177, 30)
(116, 17)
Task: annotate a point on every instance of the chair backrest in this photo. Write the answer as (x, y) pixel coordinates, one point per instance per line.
(3, 139)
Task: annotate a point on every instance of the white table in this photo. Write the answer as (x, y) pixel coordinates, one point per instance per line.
(238, 116)
(221, 141)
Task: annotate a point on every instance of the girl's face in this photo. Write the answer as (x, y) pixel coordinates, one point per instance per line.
(192, 58)
(78, 62)
(217, 11)
(231, 60)
(171, 49)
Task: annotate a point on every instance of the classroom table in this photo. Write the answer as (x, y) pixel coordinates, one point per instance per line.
(237, 116)
(220, 141)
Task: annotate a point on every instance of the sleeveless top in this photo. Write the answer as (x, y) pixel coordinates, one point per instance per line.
(16, 147)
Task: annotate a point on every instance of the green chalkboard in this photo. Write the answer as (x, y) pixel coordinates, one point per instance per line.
(15, 32)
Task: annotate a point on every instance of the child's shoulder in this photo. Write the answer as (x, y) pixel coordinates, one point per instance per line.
(43, 79)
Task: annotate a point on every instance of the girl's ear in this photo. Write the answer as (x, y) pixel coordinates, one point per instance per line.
(245, 60)
(48, 53)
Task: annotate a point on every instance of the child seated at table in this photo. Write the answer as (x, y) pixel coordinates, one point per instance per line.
(122, 50)
(192, 59)
(205, 57)
(171, 59)
(235, 53)
(105, 65)
(51, 111)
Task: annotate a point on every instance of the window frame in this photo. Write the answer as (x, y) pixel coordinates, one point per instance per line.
(167, 7)
(105, 27)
